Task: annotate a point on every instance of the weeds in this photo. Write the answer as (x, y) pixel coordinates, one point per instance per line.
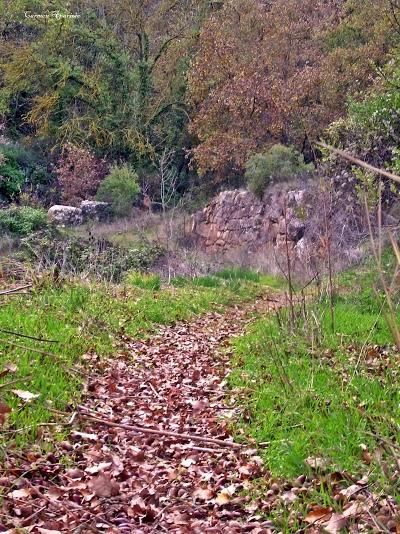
(91, 257)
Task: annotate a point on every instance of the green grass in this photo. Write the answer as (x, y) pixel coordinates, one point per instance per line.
(232, 276)
(239, 273)
(200, 281)
(313, 392)
(82, 319)
(149, 281)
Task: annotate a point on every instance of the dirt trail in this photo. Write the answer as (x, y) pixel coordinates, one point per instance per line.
(116, 480)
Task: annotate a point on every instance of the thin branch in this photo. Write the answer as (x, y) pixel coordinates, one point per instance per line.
(14, 290)
(359, 162)
(146, 430)
(11, 382)
(163, 47)
(12, 344)
(28, 337)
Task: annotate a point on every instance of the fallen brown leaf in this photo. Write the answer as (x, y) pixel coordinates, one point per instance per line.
(336, 523)
(104, 486)
(317, 514)
(316, 463)
(203, 494)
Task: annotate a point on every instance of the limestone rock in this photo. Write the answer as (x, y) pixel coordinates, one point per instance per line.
(65, 215)
(93, 210)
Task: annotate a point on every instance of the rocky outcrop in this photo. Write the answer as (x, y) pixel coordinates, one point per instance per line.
(89, 210)
(65, 215)
(93, 210)
(239, 219)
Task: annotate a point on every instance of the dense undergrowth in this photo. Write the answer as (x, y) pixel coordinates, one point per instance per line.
(88, 257)
(322, 396)
(87, 318)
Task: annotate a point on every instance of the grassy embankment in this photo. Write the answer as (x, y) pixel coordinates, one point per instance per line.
(317, 392)
(84, 318)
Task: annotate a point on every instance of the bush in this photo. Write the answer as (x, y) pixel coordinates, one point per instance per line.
(26, 171)
(12, 177)
(97, 258)
(120, 188)
(22, 220)
(144, 280)
(79, 173)
(276, 164)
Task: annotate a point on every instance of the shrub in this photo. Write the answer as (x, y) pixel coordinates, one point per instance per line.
(144, 280)
(25, 171)
(79, 173)
(97, 258)
(120, 188)
(12, 177)
(22, 220)
(279, 163)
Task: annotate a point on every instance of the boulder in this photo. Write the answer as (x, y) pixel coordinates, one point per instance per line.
(93, 210)
(65, 215)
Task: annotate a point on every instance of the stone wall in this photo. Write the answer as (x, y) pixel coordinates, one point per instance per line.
(238, 219)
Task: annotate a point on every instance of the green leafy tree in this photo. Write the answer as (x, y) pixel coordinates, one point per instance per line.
(120, 188)
(112, 78)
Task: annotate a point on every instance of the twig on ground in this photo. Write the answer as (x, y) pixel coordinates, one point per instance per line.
(14, 290)
(146, 430)
(35, 514)
(382, 439)
(204, 390)
(203, 449)
(153, 389)
(18, 334)
(38, 351)
(57, 358)
(11, 382)
(378, 523)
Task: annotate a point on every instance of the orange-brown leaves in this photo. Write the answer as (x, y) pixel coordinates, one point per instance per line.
(274, 71)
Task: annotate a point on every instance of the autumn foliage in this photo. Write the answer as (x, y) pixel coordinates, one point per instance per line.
(280, 71)
(213, 82)
(79, 173)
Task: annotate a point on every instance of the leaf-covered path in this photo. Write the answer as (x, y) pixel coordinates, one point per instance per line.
(115, 479)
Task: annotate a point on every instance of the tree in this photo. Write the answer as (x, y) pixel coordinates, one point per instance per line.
(112, 78)
(79, 173)
(269, 72)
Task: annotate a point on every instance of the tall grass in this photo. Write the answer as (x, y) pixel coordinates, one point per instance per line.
(318, 392)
